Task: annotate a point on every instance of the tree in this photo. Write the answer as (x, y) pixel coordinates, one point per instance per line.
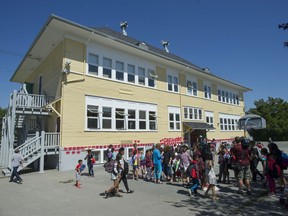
(284, 26)
(275, 112)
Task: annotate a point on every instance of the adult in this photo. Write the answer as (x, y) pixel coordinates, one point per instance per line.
(90, 162)
(122, 169)
(157, 163)
(167, 162)
(276, 153)
(241, 152)
(17, 160)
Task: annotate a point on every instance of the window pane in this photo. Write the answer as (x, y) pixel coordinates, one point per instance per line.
(152, 125)
(92, 123)
(106, 112)
(119, 113)
(177, 117)
(171, 117)
(177, 126)
(131, 125)
(131, 114)
(107, 63)
(120, 124)
(131, 69)
(93, 59)
(171, 124)
(142, 125)
(93, 69)
(106, 124)
(119, 66)
(142, 114)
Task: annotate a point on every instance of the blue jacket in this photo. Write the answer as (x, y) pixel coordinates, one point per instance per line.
(156, 156)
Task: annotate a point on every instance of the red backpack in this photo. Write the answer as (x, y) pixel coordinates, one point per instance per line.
(274, 169)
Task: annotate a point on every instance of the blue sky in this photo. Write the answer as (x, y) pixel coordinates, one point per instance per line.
(236, 40)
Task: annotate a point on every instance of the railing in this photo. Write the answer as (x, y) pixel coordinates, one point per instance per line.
(52, 140)
(30, 147)
(32, 100)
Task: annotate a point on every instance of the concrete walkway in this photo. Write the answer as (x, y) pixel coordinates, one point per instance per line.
(53, 193)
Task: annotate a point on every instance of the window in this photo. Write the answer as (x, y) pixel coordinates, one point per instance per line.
(172, 83)
(93, 64)
(209, 118)
(117, 115)
(151, 78)
(142, 120)
(131, 119)
(228, 123)
(174, 118)
(119, 70)
(92, 117)
(227, 97)
(107, 118)
(120, 118)
(219, 95)
(191, 88)
(131, 73)
(152, 120)
(107, 68)
(207, 91)
(141, 76)
(191, 113)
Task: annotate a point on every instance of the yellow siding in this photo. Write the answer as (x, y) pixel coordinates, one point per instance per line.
(78, 86)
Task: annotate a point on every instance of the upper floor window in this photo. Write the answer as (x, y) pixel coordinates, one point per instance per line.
(228, 123)
(141, 76)
(209, 118)
(106, 117)
(174, 118)
(152, 120)
(131, 73)
(192, 113)
(207, 91)
(192, 88)
(119, 70)
(120, 119)
(172, 83)
(93, 64)
(151, 78)
(228, 97)
(107, 68)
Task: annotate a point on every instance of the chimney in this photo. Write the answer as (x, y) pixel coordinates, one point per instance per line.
(165, 45)
(123, 26)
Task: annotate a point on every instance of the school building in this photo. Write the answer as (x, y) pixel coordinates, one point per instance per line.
(89, 87)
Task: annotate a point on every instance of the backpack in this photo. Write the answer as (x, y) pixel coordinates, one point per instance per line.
(205, 152)
(283, 161)
(273, 168)
(126, 167)
(109, 166)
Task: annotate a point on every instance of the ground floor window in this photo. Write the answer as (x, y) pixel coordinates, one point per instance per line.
(111, 114)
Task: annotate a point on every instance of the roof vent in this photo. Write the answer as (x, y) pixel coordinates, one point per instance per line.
(206, 69)
(123, 26)
(165, 45)
(142, 45)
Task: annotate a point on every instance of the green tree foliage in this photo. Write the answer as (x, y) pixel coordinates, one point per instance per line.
(275, 111)
(284, 26)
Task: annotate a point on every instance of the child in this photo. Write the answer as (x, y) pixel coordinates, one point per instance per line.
(148, 165)
(211, 177)
(194, 176)
(270, 180)
(136, 162)
(78, 173)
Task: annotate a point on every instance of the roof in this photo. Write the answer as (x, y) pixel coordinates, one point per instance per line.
(57, 27)
(199, 125)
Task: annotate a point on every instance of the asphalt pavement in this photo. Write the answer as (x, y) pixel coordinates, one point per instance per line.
(54, 193)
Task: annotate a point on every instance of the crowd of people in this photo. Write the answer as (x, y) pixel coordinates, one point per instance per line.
(194, 167)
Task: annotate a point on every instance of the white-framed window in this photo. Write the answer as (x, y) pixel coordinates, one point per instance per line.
(120, 119)
(207, 91)
(92, 117)
(117, 115)
(151, 78)
(93, 63)
(228, 97)
(152, 120)
(106, 117)
(119, 70)
(172, 82)
(131, 119)
(174, 118)
(228, 122)
(193, 113)
(192, 88)
(142, 119)
(141, 76)
(209, 118)
(107, 67)
(131, 73)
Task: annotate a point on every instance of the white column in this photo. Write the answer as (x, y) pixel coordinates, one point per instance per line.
(42, 141)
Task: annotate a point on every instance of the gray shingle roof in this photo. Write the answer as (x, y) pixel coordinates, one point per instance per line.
(151, 48)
